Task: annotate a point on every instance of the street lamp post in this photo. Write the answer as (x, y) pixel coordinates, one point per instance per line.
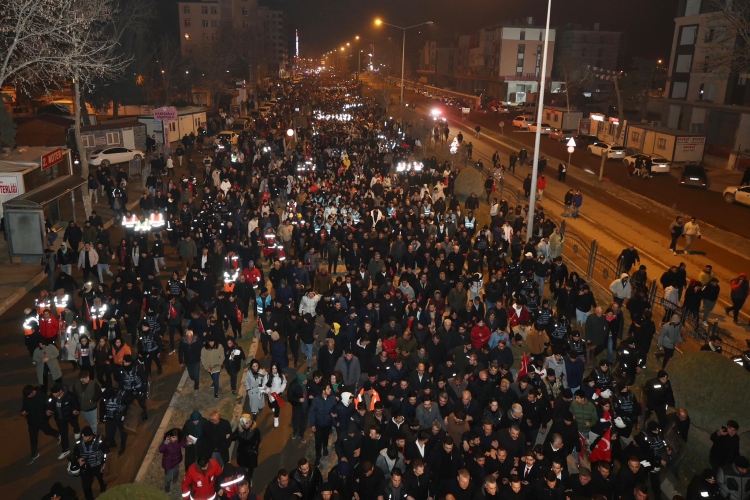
(537, 140)
(378, 22)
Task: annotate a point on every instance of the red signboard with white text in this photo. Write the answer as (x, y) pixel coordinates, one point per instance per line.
(52, 158)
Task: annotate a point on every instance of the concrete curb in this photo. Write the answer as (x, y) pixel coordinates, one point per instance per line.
(11, 300)
(153, 450)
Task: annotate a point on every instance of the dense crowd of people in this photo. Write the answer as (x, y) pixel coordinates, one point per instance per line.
(436, 356)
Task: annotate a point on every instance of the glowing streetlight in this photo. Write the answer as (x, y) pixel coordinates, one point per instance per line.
(378, 22)
(356, 37)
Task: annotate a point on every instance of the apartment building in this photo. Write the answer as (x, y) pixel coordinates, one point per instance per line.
(505, 61)
(701, 97)
(438, 63)
(201, 21)
(274, 44)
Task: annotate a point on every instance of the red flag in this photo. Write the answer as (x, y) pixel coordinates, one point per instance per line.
(582, 446)
(524, 366)
(603, 449)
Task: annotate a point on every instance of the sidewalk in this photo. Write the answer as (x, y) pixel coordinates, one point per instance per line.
(17, 280)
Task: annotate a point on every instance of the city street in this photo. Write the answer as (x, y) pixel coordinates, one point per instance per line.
(613, 217)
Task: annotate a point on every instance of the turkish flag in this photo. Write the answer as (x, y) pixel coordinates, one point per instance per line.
(603, 449)
(582, 448)
(524, 366)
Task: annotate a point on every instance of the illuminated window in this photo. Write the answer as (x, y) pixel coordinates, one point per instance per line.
(661, 144)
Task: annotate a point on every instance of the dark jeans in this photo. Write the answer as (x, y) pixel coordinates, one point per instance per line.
(62, 426)
(273, 405)
(236, 328)
(265, 343)
(194, 372)
(294, 348)
(232, 379)
(87, 479)
(172, 329)
(736, 308)
(299, 419)
(321, 439)
(673, 245)
(110, 428)
(147, 358)
(668, 353)
(215, 378)
(34, 434)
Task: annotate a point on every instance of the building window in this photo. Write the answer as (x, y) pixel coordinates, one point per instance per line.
(244, 11)
(683, 64)
(687, 35)
(706, 64)
(205, 37)
(88, 141)
(205, 23)
(214, 36)
(523, 34)
(245, 25)
(635, 136)
(113, 138)
(197, 122)
(172, 126)
(214, 23)
(541, 35)
(204, 9)
(214, 10)
(661, 144)
(186, 22)
(710, 35)
(696, 128)
(679, 90)
(186, 9)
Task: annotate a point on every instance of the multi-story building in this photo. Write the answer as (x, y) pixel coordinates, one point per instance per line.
(702, 96)
(438, 63)
(576, 47)
(504, 62)
(202, 21)
(274, 43)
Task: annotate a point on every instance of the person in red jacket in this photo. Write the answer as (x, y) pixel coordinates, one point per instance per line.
(480, 334)
(49, 328)
(200, 479)
(518, 313)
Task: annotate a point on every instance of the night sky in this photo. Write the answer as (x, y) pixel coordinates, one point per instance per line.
(324, 24)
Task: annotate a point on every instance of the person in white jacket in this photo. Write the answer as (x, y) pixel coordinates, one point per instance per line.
(93, 259)
(621, 289)
(276, 385)
(309, 303)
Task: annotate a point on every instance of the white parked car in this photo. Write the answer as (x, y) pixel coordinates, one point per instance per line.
(546, 128)
(659, 165)
(523, 121)
(737, 194)
(228, 136)
(106, 156)
(608, 151)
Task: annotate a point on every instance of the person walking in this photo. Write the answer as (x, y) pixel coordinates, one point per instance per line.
(568, 203)
(562, 172)
(212, 358)
(321, 420)
(234, 358)
(247, 436)
(577, 202)
(34, 408)
(63, 406)
(171, 450)
(477, 131)
(189, 356)
(88, 394)
(512, 163)
(297, 395)
(91, 455)
(692, 231)
(114, 403)
(738, 295)
(255, 381)
(676, 229)
(669, 336)
(527, 186)
(275, 387)
(522, 156)
(469, 150)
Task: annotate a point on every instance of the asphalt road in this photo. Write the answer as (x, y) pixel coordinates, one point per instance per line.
(708, 206)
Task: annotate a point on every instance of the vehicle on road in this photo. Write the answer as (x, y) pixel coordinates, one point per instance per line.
(546, 128)
(522, 121)
(659, 165)
(608, 151)
(562, 135)
(228, 136)
(107, 156)
(694, 175)
(737, 194)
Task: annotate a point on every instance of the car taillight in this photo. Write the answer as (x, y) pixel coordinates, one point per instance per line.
(703, 184)
(94, 157)
(682, 182)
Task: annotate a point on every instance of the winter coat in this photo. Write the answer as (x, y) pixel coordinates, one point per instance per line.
(171, 454)
(670, 335)
(278, 354)
(583, 413)
(51, 352)
(351, 371)
(320, 411)
(212, 359)
(189, 352)
(248, 443)
(277, 384)
(253, 384)
(597, 329)
(93, 258)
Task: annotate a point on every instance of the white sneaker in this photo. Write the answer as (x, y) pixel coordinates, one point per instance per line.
(275, 421)
(63, 455)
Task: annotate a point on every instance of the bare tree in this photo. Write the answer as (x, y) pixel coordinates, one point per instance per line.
(728, 36)
(169, 62)
(574, 76)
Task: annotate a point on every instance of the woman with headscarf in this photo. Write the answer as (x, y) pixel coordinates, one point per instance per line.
(247, 436)
(255, 382)
(193, 430)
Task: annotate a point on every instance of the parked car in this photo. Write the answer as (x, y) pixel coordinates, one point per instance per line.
(694, 175)
(546, 128)
(608, 151)
(522, 121)
(582, 141)
(659, 165)
(228, 136)
(737, 194)
(114, 155)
